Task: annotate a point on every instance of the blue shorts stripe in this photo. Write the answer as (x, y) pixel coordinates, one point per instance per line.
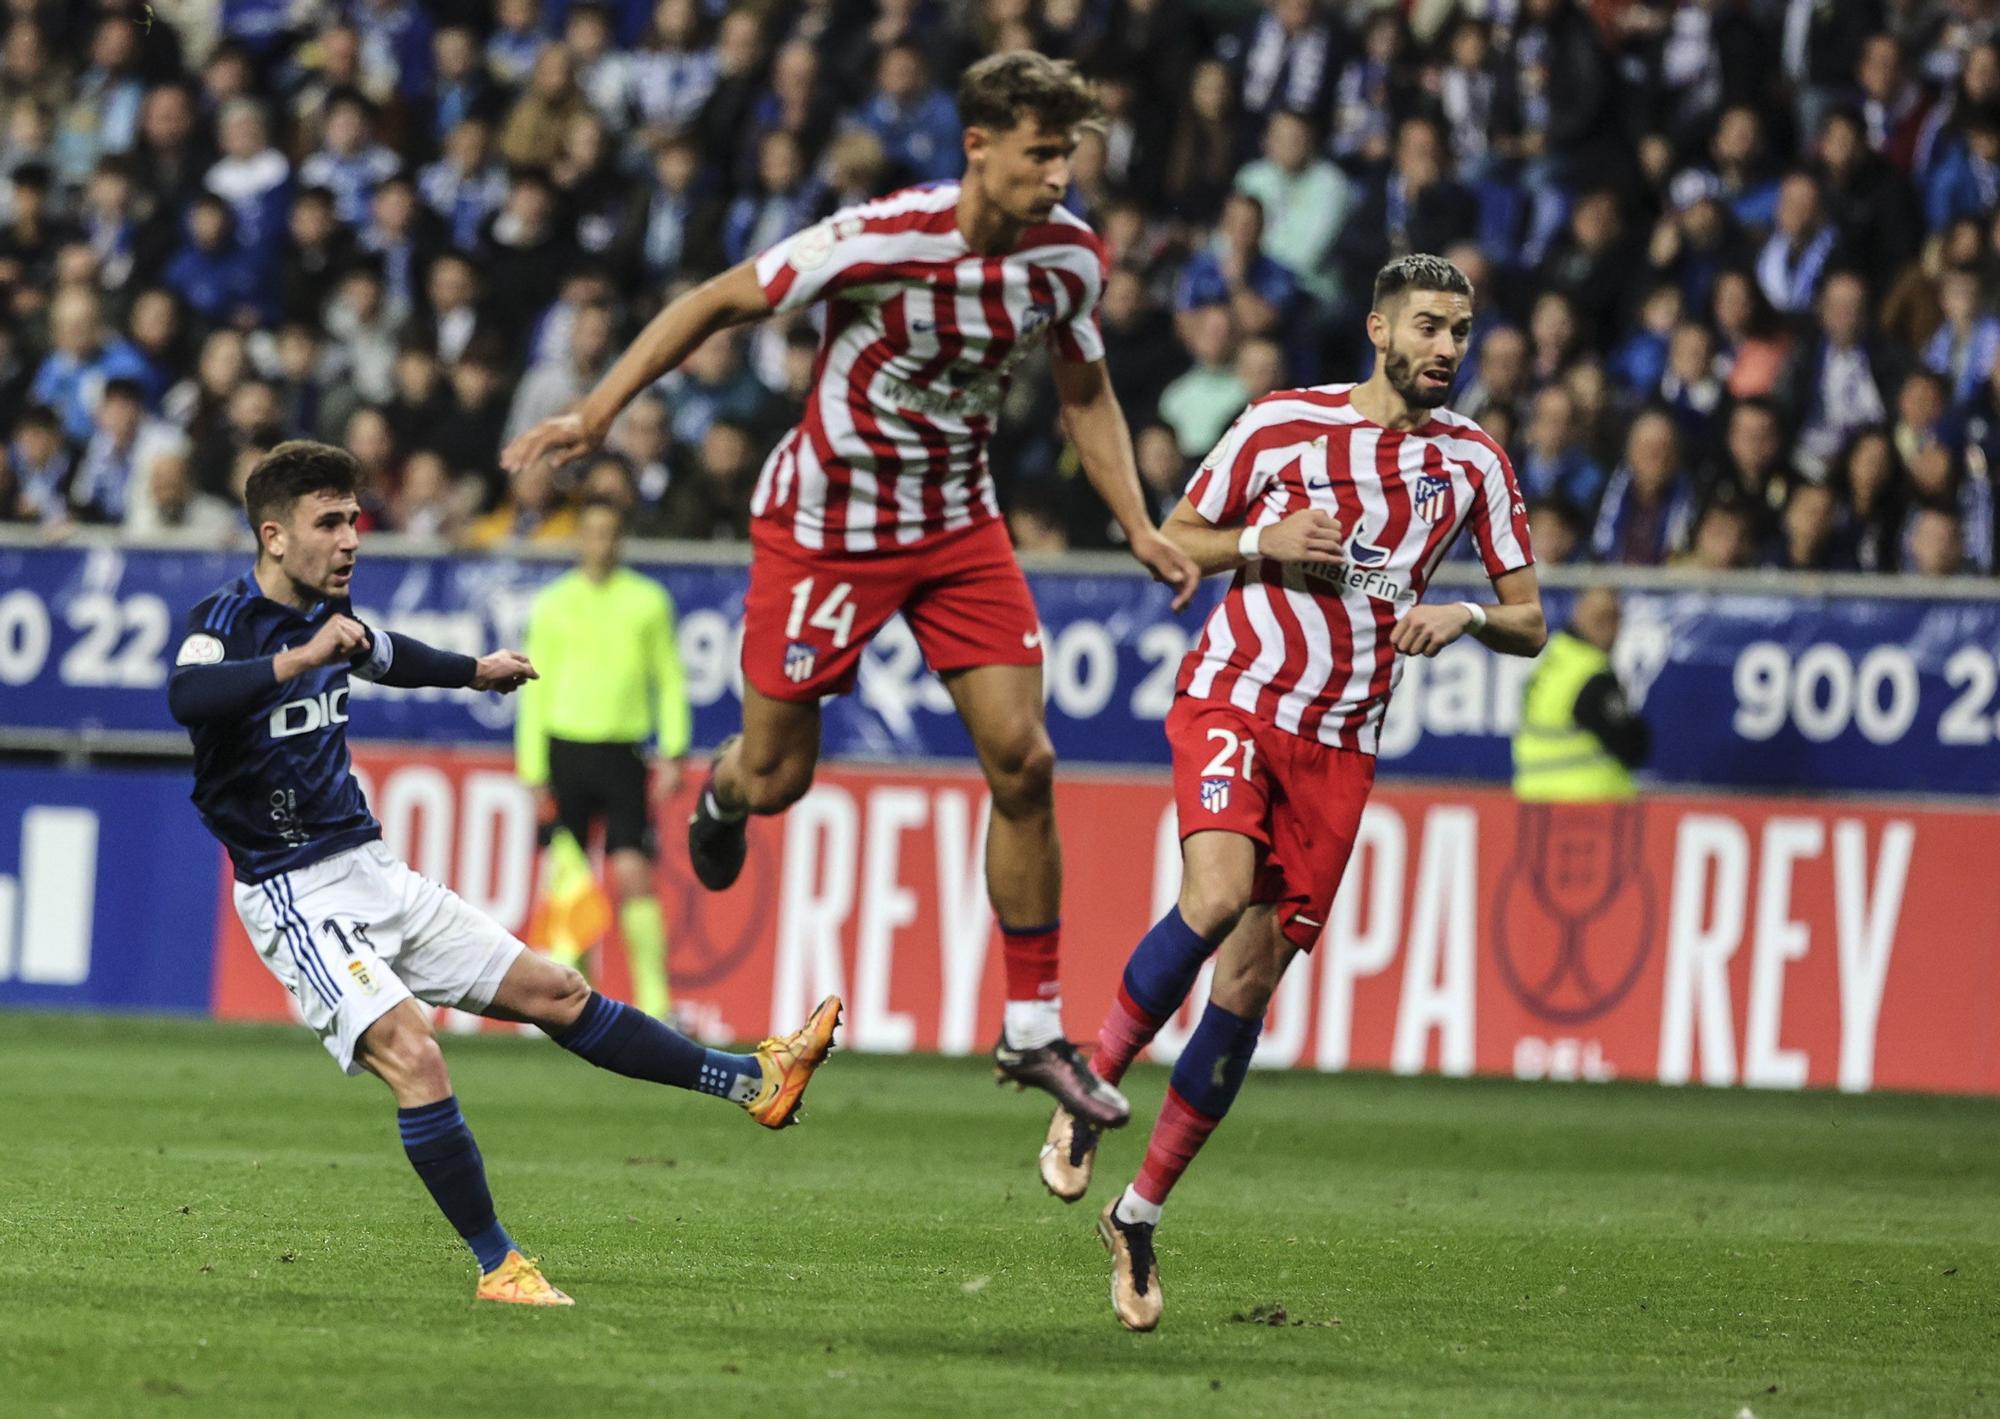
(332, 987)
(286, 932)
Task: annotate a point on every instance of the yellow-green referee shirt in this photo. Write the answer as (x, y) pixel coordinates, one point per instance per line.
(610, 668)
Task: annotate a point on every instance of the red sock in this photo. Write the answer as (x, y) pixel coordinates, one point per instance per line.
(1031, 956)
(1127, 1030)
(1177, 1137)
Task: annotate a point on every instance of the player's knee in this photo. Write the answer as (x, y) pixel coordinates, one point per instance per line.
(407, 1057)
(1023, 775)
(1212, 904)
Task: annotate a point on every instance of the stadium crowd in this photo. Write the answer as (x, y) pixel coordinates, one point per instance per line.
(1737, 260)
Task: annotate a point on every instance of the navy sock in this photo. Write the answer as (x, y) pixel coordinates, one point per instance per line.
(614, 1036)
(445, 1157)
(1163, 965)
(1211, 1067)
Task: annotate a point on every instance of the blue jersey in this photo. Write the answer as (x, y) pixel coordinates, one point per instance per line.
(274, 783)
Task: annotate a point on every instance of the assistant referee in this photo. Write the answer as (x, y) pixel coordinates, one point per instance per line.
(602, 636)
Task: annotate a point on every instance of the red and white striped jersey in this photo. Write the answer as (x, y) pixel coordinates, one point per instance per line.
(922, 335)
(1307, 646)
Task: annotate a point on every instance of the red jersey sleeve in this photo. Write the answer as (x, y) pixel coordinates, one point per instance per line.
(1499, 517)
(1233, 476)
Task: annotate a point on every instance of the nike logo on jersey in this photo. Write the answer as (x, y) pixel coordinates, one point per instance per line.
(923, 327)
(1030, 639)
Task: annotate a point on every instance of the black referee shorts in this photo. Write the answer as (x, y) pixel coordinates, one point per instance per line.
(605, 783)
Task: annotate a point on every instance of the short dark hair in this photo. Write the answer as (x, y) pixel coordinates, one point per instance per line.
(1003, 89)
(293, 470)
(1419, 271)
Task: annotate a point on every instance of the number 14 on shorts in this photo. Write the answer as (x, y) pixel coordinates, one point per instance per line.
(834, 615)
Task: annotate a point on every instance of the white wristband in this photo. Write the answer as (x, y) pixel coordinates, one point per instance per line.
(1246, 545)
(1478, 614)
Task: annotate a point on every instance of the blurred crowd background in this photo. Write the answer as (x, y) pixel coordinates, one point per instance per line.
(1737, 260)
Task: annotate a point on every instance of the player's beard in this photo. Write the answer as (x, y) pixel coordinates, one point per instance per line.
(1406, 379)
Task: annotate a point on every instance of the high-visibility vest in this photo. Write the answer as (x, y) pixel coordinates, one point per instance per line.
(1556, 760)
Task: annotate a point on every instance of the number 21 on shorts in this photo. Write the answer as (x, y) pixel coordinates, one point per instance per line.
(1221, 765)
(835, 614)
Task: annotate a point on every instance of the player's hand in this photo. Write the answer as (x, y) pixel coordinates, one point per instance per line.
(1429, 629)
(667, 776)
(562, 438)
(1169, 565)
(1309, 535)
(335, 643)
(503, 670)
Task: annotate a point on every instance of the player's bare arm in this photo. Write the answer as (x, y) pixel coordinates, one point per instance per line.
(732, 298)
(1096, 425)
(1309, 535)
(1514, 627)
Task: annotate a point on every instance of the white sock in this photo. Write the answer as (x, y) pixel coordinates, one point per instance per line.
(1030, 1023)
(1134, 1208)
(717, 811)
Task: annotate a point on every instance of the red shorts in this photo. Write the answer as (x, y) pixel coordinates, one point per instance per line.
(809, 614)
(1299, 800)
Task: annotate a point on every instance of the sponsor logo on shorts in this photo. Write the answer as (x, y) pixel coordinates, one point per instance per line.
(363, 977)
(1215, 794)
(800, 659)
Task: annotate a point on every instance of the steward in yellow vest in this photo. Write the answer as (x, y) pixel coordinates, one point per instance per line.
(1579, 739)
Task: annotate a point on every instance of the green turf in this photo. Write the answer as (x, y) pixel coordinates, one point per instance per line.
(208, 1220)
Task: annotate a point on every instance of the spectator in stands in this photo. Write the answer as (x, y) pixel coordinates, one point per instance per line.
(1306, 202)
(1233, 270)
(676, 71)
(1752, 459)
(780, 200)
(1841, 380)
(711, 502)
(214, 273)
(554, 384)
(1932, 544)
(1412, 204)
(1689, 386)
(1502, 379)
(715, 385)
(516, 42)
(1869, 201)
(360, 318)
(1556, 530)
(641, 437)
(173, 505)
(1649, 501)
(1554, 463)
(42, 462)
(525, 254)
(1743, 168)
(1801, 249)
(1200, 403)
(917, 124)
(124, 438)
(82, 359)
(1753, 345)
(426, 503)
(349, 163)
(29, 241)
(470, 432)
(397, 235)
(1285, 59)
(1808, 527)
(1872, 482)
(1893, 105)
(1206, 150)
(531, 137)
(1965, 347)
(1723, 540)
(13, 505)
(253, 177)
(465, 187)
(462, 89)
(102, 113)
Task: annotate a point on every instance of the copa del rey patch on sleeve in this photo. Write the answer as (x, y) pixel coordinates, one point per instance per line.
(199, 649)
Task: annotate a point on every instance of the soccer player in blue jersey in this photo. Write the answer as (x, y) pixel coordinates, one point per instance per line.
(357, 937)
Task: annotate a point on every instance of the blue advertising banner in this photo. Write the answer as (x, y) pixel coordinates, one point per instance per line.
(108, 891)
(1745, 688)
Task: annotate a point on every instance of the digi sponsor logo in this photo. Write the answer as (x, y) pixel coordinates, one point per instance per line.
(310, 715)
(48, 911)
(800, 660)
(1215, 794)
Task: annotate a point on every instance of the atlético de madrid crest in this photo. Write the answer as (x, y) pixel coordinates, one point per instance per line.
(1431, 497)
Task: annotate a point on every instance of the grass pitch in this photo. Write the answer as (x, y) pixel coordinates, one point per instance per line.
(206, 1220)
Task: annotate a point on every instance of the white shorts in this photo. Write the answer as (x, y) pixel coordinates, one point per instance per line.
(355, 935)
